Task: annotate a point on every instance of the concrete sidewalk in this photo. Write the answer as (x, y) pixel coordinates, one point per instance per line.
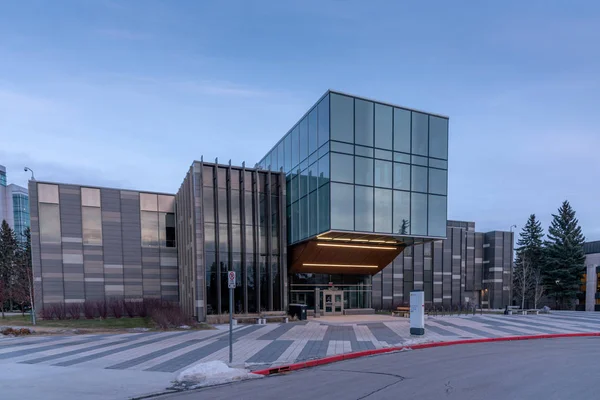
(129, 364)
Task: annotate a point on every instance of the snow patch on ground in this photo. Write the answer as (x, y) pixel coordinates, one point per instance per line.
(211, 373)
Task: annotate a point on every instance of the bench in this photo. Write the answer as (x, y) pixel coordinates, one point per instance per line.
(401, 312)
(522, 311)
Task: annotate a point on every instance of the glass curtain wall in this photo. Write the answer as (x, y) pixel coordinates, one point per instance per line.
(303, 154)
(389, 168)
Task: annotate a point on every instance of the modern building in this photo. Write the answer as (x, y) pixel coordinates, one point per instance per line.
(14, 205)
(590, 288)
(350, 206)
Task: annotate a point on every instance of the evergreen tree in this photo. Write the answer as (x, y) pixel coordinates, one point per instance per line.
(564, 257)
(8, 253)
(529, 260)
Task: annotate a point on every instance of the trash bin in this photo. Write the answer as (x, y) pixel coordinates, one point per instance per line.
(298, 310)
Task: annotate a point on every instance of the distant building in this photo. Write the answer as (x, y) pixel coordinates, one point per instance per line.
(590, 298)
(14, 205)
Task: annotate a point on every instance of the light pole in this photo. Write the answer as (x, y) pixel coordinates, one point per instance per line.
(30, 170)
(512, 251)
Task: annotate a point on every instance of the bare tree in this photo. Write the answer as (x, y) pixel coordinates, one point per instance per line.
(523, 281)
(538, 287)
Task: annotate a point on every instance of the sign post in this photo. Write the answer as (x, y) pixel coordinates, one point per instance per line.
(417, 313)
(231, 286)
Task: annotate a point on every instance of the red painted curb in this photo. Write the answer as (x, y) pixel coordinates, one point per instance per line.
(365, 353)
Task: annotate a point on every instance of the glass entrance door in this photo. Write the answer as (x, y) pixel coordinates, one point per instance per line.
(333, 302)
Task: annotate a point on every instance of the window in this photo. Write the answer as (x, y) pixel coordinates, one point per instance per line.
(363, 171)
(295, 228)
(287, 157)
(303, 138)
(438, 137)
(401, 176)
(342, 206)
(148, 202)
(208, 203)
(207, 176)
(2, 178)
(401, 212)
(313, 227)
(363, 208)
(363, 122)
(279, 156)
(383, 154)
(418, 160)
(383, 210)
(383, 126)
(47, 193)
(419, 179)
(91, 221)
(437, 216)
(209, 237)
(401, 130)
(303, 181)
(418, 214)
(50, 223)
(341, 168)
(420, 137)
(324, 169)
(438, 163)
(166, 229)
(324, 208)
(342, 118)
(342, 147)
(295, 147)
(323, 121)
(363, 151)
(312, 131)
(383, 173)
(313, 178)
(90, 197)
(438, 179)
(149, 222)
(303, 213)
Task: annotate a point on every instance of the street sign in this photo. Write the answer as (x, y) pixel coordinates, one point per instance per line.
(231, 280)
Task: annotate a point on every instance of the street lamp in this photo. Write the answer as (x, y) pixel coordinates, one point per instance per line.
(30, 170)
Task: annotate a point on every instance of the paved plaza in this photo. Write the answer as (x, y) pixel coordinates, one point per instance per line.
(161, 355)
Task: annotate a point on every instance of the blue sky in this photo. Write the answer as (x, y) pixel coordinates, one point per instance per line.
(127, 94)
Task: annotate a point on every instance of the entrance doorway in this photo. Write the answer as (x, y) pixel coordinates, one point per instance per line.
(333, 302)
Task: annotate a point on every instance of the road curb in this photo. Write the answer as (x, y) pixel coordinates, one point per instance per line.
(366, 353)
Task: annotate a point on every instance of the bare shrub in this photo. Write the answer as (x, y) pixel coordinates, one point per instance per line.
(89, 309)
(46, 312)
(73, 310)
(169, 315)
(102, 308)
(58, 311)
(116, 307)
(148, 306)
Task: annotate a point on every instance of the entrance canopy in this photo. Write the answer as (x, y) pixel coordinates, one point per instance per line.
(347, 253)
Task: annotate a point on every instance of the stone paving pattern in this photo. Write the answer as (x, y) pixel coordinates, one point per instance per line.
(259, 346)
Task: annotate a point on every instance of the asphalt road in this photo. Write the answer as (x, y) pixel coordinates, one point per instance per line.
(533, 369)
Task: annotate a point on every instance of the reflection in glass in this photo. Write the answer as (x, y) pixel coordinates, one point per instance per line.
(363, 122)
(312, 131)
(342, 147)
(313, 178)
(287, 156)
(222, 204)
(342, 118)
(438, 137)
(363, 208)
(279, 156)
(324, 169)
(383, 126)
(209, 237)
(342, 206)
(341, 168)
(363, 151)
(401, 130)
(303, 213)
(401, 176)
(313, 227)
(324, 208)
(401, 212)
(295, 229)
(438, 179)
(438, 163)
(383, 210)
(418, 214)
(383, 173)
(420, 138)
(303, 138)
(166, 229)
(212, 294)
(363, 171)
(295, 147)
(91, 221)
(235, 207)
(419, 179)
(437, 215)
(208, 203)
(323, 121)
(418, 160)
(383, 154)
(303, 181)
(149, 224)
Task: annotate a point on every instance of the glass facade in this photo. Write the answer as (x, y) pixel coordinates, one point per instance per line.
(2, 178)
(20, 214)
(385, 166)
